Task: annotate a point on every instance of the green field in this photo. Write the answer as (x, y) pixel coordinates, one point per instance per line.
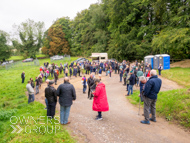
(173, 105)
(22, 58)
(14, 103)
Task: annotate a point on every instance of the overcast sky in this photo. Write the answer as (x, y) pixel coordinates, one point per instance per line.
(18, 11)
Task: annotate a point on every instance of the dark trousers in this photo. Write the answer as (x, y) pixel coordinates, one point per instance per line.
(115, 71)
(51, 109)
(110, 74)
(159, 72)
(23, 80)
(124, 81)
(31, 98)
(87, 71)
(99, 114)
(79, 73)
(88, 92)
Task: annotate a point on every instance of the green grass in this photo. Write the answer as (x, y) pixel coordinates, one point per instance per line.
(16, 58)
(14, 103)
(179, 75)
(173, 105)
(22, 58)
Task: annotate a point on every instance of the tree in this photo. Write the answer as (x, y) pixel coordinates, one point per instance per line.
(55, 40)
(5, 51)
(31, 35)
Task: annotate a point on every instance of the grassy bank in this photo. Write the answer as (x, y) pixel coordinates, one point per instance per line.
(179, 75)
(173, 105)
(14, 103)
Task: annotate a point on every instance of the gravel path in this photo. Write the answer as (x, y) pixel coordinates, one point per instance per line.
(122, 123)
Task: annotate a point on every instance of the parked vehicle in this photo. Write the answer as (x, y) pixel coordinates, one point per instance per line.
(57, 57)
(81, 60)
(28, 60)
(4, 63)
(11, 61)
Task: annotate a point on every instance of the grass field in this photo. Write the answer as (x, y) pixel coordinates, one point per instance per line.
(179, 75)
(173, 105)
(22, 58)
(14, 103)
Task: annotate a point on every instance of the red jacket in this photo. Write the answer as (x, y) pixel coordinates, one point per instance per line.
(148, 75)
(100, 102)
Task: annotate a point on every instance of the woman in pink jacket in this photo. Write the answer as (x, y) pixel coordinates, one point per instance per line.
(100, 102)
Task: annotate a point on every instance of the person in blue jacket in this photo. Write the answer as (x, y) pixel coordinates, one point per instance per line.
(131, 83)
(152, 88)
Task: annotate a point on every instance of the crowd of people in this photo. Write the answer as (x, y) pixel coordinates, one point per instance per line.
(138, 74)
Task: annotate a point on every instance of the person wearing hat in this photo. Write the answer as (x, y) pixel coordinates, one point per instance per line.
(51, 96)
(131, 83)
(100, 102)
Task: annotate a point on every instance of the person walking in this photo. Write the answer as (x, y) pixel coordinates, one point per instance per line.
(23, 76)
(131, 83)
(100, 102)
(67, 95)
(160, 69)
(152, 88)
(90, 82)
(84, 82)
(30, 90)
(51, 96)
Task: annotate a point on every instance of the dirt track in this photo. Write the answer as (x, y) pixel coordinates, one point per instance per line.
(122, 123)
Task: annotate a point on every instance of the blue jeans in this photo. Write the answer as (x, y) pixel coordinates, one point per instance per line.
(84, 88)
(31, 98)
(121, 76)
(127, 87)
(64, 114)
(46, 102)
(130, 89)
(37, 89)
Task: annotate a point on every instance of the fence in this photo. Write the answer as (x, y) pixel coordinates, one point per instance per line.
(20, 64)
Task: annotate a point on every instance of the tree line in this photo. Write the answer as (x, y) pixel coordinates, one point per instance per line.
(125, 29)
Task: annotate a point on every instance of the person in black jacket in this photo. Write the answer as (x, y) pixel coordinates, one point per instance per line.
(131, 83)
(67, 95)
(23, 76)
(32, 82)
(51, 96)
(90, 82)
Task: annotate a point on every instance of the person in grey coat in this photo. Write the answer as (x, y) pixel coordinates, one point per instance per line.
(30, 90)
(67, 95)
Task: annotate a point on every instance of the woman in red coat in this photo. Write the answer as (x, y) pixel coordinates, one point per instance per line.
(100, 102)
